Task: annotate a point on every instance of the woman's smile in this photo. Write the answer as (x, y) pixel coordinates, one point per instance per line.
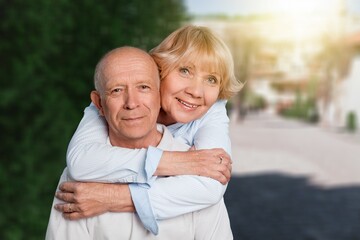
(187, 104)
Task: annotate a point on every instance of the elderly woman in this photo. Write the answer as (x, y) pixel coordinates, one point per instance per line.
(197, 77)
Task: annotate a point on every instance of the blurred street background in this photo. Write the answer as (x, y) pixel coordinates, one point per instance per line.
(293, 180)
(294, 126)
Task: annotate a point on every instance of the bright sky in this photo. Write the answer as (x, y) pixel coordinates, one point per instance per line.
(248, 7)
(297, 20)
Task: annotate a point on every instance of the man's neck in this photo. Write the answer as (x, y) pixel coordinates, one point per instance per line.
(153, 139)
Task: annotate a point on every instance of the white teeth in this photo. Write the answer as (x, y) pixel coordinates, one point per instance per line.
(187, 104)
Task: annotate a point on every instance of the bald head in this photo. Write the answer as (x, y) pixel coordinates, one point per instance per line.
(123, 57)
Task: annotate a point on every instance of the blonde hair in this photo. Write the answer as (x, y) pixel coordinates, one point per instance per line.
(197, 45)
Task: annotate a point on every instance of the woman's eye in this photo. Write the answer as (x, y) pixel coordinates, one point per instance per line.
(212, 80)
(184, 70)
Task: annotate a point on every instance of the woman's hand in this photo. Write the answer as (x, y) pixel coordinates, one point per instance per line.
(214, 163)
(84, 200)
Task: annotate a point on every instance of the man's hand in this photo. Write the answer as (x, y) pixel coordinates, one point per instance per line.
(85, 200)
(214, 163)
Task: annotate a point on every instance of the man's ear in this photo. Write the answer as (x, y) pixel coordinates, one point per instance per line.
(96, 99)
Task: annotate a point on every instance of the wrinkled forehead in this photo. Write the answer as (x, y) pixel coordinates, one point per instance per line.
(132, 69)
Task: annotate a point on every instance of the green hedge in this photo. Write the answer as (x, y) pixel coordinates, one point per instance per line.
(48, 53)
(351, 122)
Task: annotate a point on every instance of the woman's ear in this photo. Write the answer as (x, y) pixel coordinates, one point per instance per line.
(96, 99)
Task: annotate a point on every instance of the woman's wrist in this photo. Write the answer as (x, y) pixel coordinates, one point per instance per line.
(174, 163)
(214, 163)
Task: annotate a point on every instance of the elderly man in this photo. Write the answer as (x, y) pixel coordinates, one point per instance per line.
(128, 97)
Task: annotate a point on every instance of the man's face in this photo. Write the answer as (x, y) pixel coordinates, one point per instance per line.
(131, 102)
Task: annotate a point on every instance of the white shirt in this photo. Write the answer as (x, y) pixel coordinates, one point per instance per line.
(209, 223)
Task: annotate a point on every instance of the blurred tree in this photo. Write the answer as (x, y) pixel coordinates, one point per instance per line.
(244, 47)
(333, 64)
(48, 53)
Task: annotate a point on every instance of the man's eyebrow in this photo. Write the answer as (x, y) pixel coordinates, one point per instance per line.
(116, 85)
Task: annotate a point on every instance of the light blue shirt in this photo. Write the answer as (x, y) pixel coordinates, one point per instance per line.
(89, 159)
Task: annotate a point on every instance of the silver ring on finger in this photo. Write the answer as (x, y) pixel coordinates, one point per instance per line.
(70, 208)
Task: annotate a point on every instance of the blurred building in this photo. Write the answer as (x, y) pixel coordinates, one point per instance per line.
(284, 58)
(270, 55)
(346, 90)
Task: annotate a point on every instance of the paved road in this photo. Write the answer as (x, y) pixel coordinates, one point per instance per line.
(293, 181)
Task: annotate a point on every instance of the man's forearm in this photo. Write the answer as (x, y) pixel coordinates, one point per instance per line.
(120, 200)
(85, 200)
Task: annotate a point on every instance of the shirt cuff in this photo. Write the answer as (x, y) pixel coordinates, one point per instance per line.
(140, 197)
(152, 160)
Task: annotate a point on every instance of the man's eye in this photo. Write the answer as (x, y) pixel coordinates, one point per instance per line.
(116, 90)
(144, 87)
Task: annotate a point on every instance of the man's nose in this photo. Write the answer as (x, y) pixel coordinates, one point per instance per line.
(131, 100)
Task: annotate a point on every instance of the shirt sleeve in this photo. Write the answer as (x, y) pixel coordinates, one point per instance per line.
(213, 131)
(173, 196)
(90, 158)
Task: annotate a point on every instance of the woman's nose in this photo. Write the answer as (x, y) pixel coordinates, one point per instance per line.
(195, 88)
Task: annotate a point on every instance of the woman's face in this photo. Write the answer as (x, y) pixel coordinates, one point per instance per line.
(187, 93)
